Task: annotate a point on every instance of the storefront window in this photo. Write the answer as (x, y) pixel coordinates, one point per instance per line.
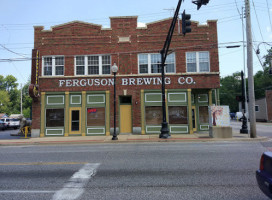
(153, 115)
(54, 117)
(203, 115)
(95, 116)
(178, 115)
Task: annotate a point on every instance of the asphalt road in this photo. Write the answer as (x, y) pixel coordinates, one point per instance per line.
(262, 129)
(159, 171)
(5, 134)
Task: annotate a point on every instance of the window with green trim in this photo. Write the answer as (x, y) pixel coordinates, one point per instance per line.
(95, 116)
(153, 115)
(178, 115)
(203, 115)
(54, 117)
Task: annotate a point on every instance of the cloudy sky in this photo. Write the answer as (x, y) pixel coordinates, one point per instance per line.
(18, 17)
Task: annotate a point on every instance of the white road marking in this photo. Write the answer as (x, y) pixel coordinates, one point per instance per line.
(74, 188)
(26, 191)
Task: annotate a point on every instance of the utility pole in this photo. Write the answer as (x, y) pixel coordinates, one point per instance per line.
(244, 63)
(251, 107)
(21, 99)
(270, 69)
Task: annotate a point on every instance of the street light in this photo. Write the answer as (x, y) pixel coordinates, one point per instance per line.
(114, 69)
(244, 124)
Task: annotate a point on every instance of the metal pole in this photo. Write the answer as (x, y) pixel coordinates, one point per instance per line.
(114, 136)
(270, 69)
(252, 116)
(21, 99)
(164, 130)
(244, 62)
(244, 120)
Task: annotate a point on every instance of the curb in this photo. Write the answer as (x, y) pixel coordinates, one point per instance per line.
(128, 140)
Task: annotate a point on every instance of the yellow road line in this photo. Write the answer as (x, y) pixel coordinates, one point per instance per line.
(45, 163)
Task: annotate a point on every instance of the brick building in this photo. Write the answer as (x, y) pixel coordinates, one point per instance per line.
(72, 82)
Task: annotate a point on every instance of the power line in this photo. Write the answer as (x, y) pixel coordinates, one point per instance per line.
(207, 46)
(258, 21)
(19, 54)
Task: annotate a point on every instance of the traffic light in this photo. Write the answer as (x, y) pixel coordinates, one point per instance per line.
(199, 3)
(186, 23)
(240, 98)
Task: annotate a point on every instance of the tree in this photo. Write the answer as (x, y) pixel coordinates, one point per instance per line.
(27, 101)
(10, 83)
(8, 88)
(262, 79)
(10, 97)
(2, 82)
(4, 102)
(15, 101)
(230, 87)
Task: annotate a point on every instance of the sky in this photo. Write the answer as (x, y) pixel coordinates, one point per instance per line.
(17, 18)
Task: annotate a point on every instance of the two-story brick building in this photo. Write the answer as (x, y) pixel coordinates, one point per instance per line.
(71, 70)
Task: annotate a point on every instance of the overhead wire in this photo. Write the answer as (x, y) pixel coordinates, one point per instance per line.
(211, 46)
(258, 21)
(19, 54)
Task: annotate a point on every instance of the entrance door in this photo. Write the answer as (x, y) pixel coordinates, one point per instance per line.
(125, 115)
(194, 118)
(75, 121)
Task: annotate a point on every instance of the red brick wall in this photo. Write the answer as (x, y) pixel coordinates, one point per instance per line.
(79, 38)
(36, 114)
(268, 95)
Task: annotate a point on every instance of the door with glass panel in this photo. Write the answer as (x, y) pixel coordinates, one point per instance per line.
(75, 121)
(194, 118)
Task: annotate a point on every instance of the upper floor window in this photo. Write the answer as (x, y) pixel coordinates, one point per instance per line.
(53, 66)
(151, 63)
(92, 65)
(198, 61)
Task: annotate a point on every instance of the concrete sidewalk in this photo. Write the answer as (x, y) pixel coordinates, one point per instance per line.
(128, 138)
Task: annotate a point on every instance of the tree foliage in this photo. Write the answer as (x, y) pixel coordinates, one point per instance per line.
(230, 88)
(262, 79)
(10, 96)
(4, 101)
(231, 85)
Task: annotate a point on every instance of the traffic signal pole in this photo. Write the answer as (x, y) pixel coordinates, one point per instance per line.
(164, 52)
(251, 95)
(164, 129)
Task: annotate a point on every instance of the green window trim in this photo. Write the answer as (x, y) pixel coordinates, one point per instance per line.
(177, 97)
(152, 129)
(75, 99)
(97, 97)
(55, 100)
(96, 131)
(202, 127)
(203, 98)
(157, 98)
(55, 130)
(178, 129)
